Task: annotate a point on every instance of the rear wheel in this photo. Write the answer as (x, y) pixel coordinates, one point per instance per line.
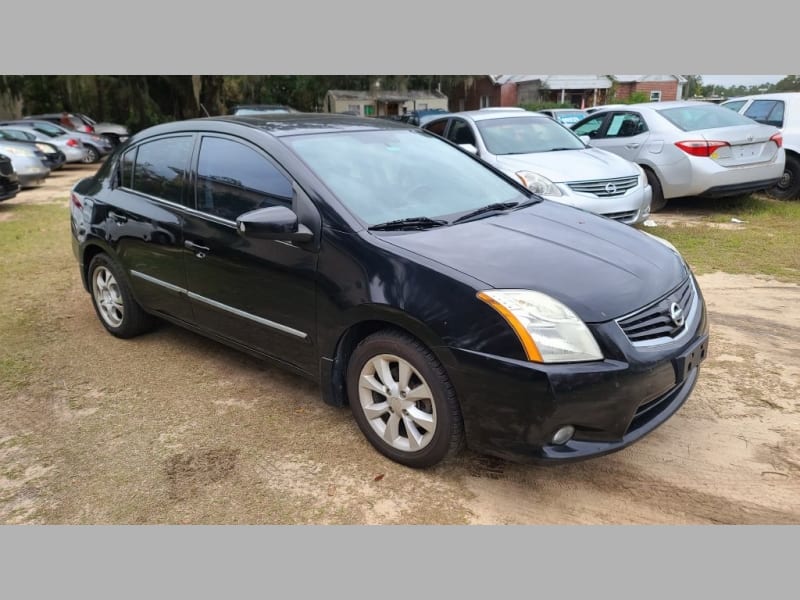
(403, 401)
(113, 301)
(658, 202)
(92, 155)
(788, 188)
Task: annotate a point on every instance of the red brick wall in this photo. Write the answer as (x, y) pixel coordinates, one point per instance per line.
(669, 89)
(624, 91)
(481, 86)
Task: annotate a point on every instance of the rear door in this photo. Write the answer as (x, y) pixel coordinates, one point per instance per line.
(624, 133)
(143, 218)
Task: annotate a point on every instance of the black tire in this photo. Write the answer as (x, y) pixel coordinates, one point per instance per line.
(788, 188)
(658, 202)
(440, 406)
(126, 319)
(92, 155)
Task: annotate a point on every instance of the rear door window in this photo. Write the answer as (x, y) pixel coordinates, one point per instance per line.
(161, 167)
(768, 112)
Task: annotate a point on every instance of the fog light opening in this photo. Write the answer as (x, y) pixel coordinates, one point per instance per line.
(563, 435)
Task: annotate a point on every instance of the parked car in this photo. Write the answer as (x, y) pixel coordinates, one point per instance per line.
(113, 132)
(781, 110)
(690, 148)
(420, 117)
(441, 299)
(28, 162)
(51, 156)
(551, 161)
(262, 109)
(9, 182)
(565, 116)
(72, 149)
(96, 147)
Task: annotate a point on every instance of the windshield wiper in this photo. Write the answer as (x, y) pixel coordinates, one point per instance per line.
(489, 208)
(409, 223)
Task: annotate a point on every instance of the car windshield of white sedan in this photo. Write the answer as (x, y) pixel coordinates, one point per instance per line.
(695, 118)
(385, 175)
(526, 135)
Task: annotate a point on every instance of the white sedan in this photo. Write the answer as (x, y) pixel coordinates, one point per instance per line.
(551, 161)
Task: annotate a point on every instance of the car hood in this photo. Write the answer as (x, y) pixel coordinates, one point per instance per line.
(599, 268)
(570, 165)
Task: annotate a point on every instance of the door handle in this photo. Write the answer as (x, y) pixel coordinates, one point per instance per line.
(199, 251)
(632, 146)
(117, 218)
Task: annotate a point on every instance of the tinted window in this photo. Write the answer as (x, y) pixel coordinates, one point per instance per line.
(625, 125)
(769, 112)
(233, 179)
(160, 168)
(437, 127)
(125, 171)
(710, 116)
(460, 133)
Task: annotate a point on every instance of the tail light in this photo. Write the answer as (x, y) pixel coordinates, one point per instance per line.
(778, 139)
(75, 200)
(86, 128)
(72, 143)
(700, 147)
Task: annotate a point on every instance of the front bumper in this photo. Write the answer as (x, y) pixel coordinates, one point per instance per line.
(631, 208)
(512, 408)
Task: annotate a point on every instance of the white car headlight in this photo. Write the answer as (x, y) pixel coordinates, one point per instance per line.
(43, 148)
(538, 184)
(18, 152)
(549, 331)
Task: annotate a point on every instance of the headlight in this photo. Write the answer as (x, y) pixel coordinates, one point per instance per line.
(44, 148)
(549, 331)
(18, 152)
(538, 184)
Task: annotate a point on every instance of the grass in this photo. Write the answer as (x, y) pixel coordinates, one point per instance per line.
(767, 243)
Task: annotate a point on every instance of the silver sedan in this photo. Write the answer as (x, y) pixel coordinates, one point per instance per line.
(690, 148)
(73, 149)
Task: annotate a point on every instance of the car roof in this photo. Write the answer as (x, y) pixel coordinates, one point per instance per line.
(770, 96)
(285, 124)
(496, 113)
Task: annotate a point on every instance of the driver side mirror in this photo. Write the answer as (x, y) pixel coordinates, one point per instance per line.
(586, 139)
(469, 148)
(273, 223)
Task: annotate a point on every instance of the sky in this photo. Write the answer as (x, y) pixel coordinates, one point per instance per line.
(746, 80)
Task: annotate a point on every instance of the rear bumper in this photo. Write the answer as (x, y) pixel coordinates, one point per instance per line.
(720, 191)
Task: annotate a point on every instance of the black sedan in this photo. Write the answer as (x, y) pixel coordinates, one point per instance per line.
(9, 182)
(440, 299)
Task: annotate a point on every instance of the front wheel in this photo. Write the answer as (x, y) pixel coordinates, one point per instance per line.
(403, 401)
(788, 188)
(113, 301)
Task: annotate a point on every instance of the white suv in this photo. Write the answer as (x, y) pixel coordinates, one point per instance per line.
(780, 110)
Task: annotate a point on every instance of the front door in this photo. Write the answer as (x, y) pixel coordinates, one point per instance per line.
(260, 293)
(625, 135)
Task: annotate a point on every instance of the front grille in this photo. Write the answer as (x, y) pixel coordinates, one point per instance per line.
(5, 167)
(606, 188)
(655, 320)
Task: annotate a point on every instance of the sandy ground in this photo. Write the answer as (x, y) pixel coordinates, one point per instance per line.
(173, 428)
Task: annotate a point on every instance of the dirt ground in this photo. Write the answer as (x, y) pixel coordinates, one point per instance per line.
(173, 428)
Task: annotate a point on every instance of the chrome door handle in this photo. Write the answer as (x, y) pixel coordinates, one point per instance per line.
(632, 146)
(199, 251)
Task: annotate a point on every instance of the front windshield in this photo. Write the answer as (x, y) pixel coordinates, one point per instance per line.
(387, 175)
(526, 135)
